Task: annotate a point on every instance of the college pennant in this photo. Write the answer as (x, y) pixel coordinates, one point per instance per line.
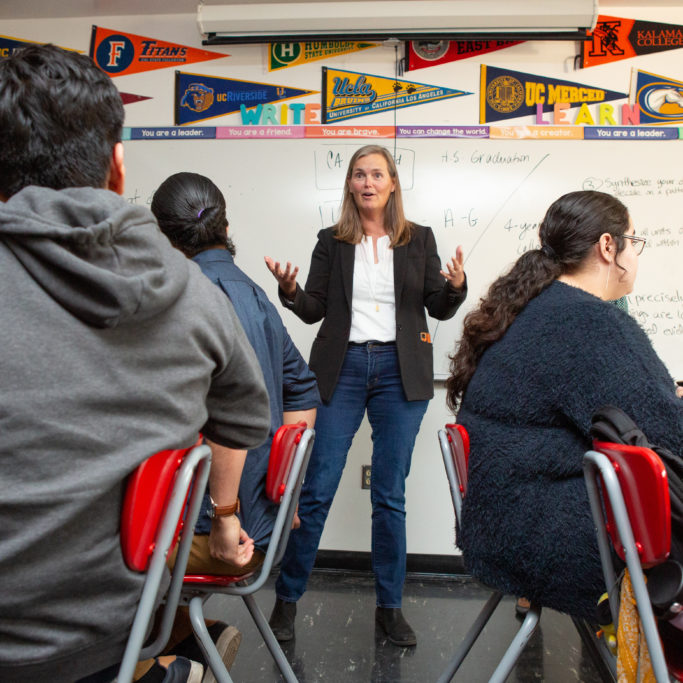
(659, 98)
(616, 38)
(283, 55)
(423, 53)
(120, 54)
(348, 94)
(129, 98)
(507, 94)
(198, 97)
(9, 45)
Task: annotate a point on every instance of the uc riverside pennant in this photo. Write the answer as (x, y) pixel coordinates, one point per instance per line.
(422, 53)
(507, 94)
(660, 98)
(200, 97)
(282, 55)
(120, 54)
(616, 38)
(348, 94)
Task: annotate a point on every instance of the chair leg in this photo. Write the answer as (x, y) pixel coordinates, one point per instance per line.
(470, 637)
(518, 644)
(270, 640)
(207, 645)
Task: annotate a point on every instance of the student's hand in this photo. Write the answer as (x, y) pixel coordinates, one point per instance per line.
(455, 273)
(229, 542)
(286, 278)
(679, 392)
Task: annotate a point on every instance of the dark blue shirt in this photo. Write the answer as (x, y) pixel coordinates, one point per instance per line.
(291, 384)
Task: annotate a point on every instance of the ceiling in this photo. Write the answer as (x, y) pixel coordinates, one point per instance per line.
(28, 9)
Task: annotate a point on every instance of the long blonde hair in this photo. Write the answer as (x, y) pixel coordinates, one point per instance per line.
(349, 227)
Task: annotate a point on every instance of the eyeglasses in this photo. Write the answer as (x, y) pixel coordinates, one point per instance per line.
(638, 243)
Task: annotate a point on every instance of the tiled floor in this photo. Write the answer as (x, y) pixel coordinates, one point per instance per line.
(336, 639)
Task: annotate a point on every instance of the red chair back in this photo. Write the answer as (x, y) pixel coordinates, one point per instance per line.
(645, 488)
(459, 441)
(147, 493)
(282, 452)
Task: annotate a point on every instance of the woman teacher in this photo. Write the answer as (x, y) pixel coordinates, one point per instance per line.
(371, 277)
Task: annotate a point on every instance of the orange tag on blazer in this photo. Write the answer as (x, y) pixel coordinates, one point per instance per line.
(425, 337)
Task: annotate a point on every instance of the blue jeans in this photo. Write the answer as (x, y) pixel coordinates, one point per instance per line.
(370, 379)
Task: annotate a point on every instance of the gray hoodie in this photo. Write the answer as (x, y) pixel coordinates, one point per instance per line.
(113, 346)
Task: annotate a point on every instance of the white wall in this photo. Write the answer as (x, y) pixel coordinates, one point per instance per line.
(430, 517)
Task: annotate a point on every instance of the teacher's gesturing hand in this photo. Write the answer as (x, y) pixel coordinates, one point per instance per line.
(455, 269)
(286, 278)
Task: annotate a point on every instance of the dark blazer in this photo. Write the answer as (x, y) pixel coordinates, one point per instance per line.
(417, 284)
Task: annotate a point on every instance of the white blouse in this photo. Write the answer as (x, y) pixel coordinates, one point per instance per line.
(373, 310)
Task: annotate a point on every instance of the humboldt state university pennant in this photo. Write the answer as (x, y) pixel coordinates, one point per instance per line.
(282, 55)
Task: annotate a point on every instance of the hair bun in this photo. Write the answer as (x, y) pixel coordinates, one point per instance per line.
(548, 251)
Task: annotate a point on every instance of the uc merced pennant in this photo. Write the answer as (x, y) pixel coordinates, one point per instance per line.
(507, 94)
(348, 94)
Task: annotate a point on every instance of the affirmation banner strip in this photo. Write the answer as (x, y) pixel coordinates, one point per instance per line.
(629, 133)
(384, 132)
(536, 132)
(350, 132)
(442, 131)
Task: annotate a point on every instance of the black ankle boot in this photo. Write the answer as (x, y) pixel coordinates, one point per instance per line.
(395, 626)
(282, 620)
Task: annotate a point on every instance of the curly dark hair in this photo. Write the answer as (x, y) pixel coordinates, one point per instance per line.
(190, 210)
(60, 118)
(572, 225)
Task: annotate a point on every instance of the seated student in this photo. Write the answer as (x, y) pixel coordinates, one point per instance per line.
(191, 210)
(112, 348)
(541, 353)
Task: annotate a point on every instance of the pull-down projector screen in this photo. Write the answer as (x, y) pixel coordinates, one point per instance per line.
(400, 19)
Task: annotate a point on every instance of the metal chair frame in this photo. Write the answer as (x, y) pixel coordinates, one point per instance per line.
(197, 589)
(191, 478)
(454, 444)
(598, 467)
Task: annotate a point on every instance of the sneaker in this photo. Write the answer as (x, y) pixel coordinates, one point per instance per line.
(282, 620)
(398, 630)
(179, 670)
(227, 640)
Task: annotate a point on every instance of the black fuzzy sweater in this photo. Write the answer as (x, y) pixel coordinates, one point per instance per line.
(527, 526)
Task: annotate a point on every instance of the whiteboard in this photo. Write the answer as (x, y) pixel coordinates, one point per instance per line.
(487, 195)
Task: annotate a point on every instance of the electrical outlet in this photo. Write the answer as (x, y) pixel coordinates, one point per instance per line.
(365, 477)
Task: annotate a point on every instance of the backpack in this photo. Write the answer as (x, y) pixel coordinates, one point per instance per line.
(613, 425)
